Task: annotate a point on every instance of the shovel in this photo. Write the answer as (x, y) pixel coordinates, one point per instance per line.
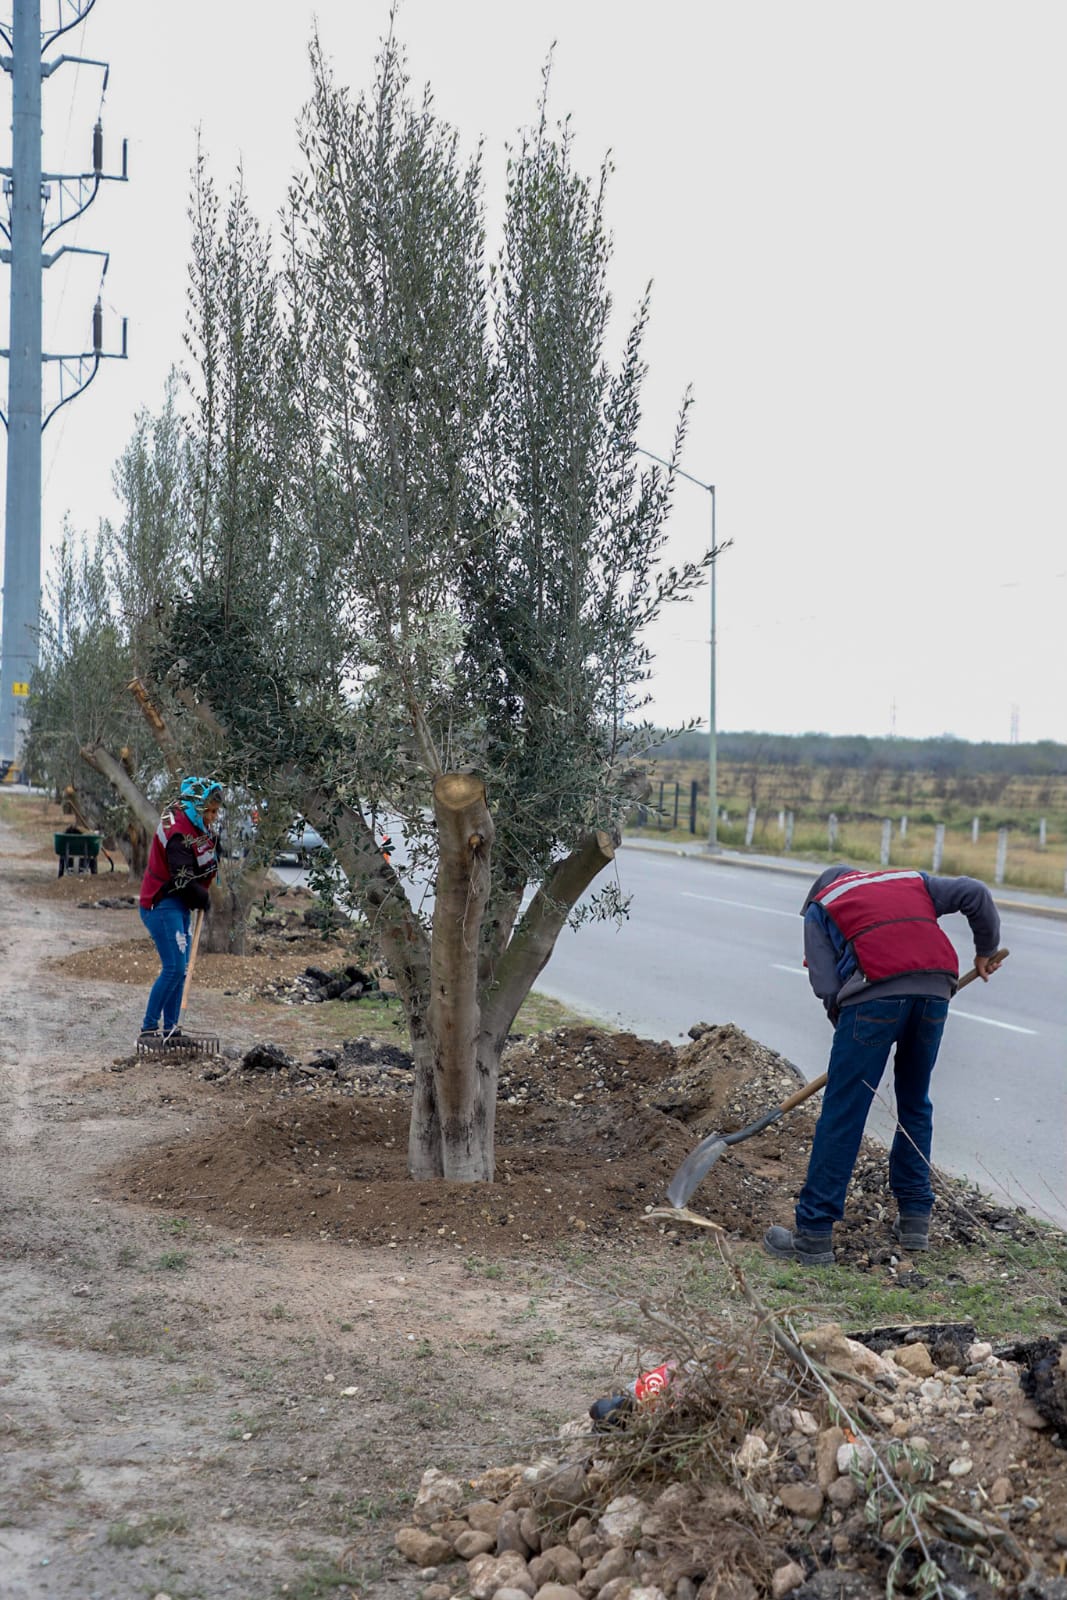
(699, 1162)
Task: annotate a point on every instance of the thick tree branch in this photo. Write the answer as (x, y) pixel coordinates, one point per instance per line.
(535, 937)
(158, 726)
(109, 767)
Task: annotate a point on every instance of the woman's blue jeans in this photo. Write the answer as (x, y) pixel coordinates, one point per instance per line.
(863, 1038)
(168, 923)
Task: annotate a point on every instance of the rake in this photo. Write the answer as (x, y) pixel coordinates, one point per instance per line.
(180, 1042)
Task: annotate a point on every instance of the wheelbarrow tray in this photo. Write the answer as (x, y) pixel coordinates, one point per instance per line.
(77, 844)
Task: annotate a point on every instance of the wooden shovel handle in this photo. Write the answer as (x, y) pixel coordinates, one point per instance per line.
(817, 1083)
(192, 958)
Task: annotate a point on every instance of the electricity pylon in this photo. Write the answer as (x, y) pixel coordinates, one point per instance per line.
(39, 204)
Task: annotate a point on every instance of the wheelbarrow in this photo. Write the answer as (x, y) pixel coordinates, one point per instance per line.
(77, 852)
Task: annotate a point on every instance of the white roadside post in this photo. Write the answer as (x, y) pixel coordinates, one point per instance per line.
(939, 847)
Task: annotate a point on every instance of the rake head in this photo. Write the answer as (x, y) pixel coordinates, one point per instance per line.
(187, 1044)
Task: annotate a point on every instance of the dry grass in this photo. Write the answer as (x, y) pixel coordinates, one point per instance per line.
(862, 801)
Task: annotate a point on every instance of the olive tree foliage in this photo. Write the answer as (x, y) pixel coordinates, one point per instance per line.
(104, 729)
(77, 703)
(463, 554)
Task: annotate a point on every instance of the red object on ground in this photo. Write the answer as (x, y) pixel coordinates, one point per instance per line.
(650, 1384)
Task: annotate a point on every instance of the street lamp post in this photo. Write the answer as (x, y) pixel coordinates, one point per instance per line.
(713, 773)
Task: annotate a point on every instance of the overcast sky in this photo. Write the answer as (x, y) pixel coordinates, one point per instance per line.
(852, 215)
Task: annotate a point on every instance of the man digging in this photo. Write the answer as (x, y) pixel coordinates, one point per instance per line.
(885, 971)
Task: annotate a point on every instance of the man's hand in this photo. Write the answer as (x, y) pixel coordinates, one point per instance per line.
(985, 966)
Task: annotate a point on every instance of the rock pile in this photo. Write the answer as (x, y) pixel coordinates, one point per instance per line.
(797, 1504)
(357, 1066)
(316, 984)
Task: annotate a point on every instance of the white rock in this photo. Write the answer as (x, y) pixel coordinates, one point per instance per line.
(960, 1467)
(932, 1389)
(786, 1579)
(621, 1519)
(750, 1452)
(804, 1422)
(857, 1453)
(979, 1351)
(437, 1492)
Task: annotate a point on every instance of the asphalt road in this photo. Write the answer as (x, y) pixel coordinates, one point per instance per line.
(724, 944)
(720, 943)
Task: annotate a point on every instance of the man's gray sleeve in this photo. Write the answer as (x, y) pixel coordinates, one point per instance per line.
(973, 899)
(821, 962)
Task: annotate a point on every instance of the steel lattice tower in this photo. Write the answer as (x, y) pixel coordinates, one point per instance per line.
(39, 204)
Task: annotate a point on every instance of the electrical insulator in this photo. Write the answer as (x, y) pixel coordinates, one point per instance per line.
(98, 148)
(98, 327)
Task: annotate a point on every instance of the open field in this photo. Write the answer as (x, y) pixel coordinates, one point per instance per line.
(914, 803)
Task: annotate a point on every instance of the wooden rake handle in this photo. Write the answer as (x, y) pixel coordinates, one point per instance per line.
(192, 958)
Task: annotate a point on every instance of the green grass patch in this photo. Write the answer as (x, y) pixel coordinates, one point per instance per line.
(539, 1013)
(379, 1017)
(1010, 1291)
(131, 1535)
(173, 1261)
(175, 1225)
(323, 1580)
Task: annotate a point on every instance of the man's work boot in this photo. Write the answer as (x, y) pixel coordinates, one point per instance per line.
(808, 1249)
(912, 1230)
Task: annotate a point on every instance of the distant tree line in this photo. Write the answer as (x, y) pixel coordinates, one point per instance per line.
(858, 753)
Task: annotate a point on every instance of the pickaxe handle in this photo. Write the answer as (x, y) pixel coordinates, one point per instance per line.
(700, 1160)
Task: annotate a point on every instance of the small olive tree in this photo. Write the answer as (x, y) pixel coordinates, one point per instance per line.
(429, 603)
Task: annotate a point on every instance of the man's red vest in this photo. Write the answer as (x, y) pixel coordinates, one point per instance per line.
(889, 920)
(157, 876)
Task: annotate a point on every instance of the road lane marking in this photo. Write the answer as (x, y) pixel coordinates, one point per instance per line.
(742, 905)
(1046, 933)
(991, 1022)
(970, 1016)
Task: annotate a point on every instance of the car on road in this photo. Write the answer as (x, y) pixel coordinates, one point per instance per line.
(300, 847)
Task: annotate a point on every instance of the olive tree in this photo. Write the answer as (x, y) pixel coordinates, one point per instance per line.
(462, 556)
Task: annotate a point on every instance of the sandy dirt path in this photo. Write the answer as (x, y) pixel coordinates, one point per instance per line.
(193, 1412)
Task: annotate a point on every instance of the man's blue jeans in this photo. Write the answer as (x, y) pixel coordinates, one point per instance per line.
(863, 1038)
(168, 923)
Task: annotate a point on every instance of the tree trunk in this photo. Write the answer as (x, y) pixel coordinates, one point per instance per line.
(464, 1093)
(233, 894)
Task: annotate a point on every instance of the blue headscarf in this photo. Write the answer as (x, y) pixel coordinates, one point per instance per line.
(195, 795)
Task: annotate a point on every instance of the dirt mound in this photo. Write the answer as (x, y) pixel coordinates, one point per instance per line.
(590, 1128)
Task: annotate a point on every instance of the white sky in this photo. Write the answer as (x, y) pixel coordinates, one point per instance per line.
(853, 218)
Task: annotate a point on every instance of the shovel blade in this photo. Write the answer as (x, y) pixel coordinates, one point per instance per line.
(697, 1164)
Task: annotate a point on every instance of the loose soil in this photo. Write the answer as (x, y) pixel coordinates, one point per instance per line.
(234, 1333)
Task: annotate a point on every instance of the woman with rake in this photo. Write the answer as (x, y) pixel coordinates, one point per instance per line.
(182, 864)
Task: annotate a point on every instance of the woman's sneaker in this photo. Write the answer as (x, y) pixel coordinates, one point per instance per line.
(173, 1039)
(149, 1039)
